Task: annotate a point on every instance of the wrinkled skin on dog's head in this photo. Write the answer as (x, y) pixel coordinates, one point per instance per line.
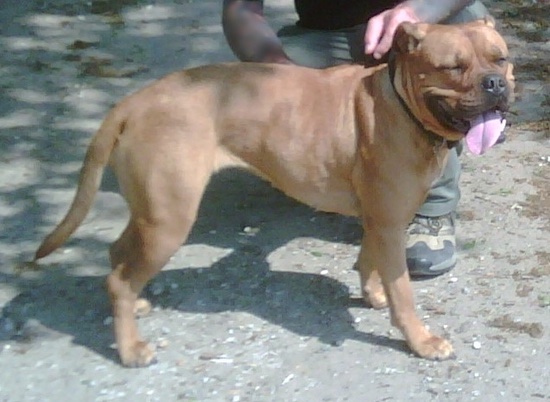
(456, 79)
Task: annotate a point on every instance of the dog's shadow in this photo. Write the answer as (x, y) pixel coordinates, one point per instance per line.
(307, 304)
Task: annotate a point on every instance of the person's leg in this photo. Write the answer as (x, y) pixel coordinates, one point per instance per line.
(431, 244)
(431, 247)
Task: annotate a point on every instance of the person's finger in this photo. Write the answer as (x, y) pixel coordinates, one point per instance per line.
(375, 30)
(385, 43)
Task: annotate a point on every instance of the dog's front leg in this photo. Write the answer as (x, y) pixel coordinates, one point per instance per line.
(384, 247)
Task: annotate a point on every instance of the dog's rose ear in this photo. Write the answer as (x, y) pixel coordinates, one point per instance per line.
(408, 36)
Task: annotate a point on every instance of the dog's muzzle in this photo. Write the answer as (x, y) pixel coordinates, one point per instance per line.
(482, 123)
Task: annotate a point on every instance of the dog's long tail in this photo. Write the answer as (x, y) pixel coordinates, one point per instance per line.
(97, 158)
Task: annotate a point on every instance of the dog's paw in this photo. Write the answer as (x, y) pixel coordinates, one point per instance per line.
(376, 300)
(142, 307)
(141, 354)
(434, 348)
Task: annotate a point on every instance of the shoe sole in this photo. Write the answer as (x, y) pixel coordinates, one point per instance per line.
(435, 270)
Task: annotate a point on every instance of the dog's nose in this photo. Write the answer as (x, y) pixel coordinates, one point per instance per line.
(494, 84)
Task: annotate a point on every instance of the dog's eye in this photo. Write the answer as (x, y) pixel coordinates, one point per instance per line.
(501, 61)
(456, 69)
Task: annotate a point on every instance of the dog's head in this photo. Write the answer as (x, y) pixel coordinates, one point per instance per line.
(455, 79)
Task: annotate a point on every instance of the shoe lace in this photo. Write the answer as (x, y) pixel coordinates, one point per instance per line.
(426, 224)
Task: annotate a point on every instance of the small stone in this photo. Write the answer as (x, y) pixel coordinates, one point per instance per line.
(33, 330)
(476, 345)
(207, 356)
(7, 328)
(288, 379)
(157, 289)
(535, 330)
(336, 342)
(251, 231)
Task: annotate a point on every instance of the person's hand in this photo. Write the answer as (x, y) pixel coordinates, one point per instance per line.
(381, 29)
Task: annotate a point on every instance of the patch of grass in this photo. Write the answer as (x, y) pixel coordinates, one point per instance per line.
(544, 300)
(469, 245)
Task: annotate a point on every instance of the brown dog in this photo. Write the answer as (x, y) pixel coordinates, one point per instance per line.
(358, 141)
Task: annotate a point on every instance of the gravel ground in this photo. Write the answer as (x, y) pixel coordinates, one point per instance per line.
(262, 304)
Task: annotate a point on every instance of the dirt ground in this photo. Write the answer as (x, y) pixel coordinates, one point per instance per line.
(262, 304)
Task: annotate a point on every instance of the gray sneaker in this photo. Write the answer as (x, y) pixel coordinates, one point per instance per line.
(431, 245)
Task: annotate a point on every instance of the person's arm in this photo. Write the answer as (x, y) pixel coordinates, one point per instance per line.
(381, 28)
(435, 11)
(248, 33)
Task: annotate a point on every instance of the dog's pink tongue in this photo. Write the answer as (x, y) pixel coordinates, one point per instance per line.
(484, 132)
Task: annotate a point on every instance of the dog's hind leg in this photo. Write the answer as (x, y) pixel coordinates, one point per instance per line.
(148, 247)
(163, 211)
(371, 283)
